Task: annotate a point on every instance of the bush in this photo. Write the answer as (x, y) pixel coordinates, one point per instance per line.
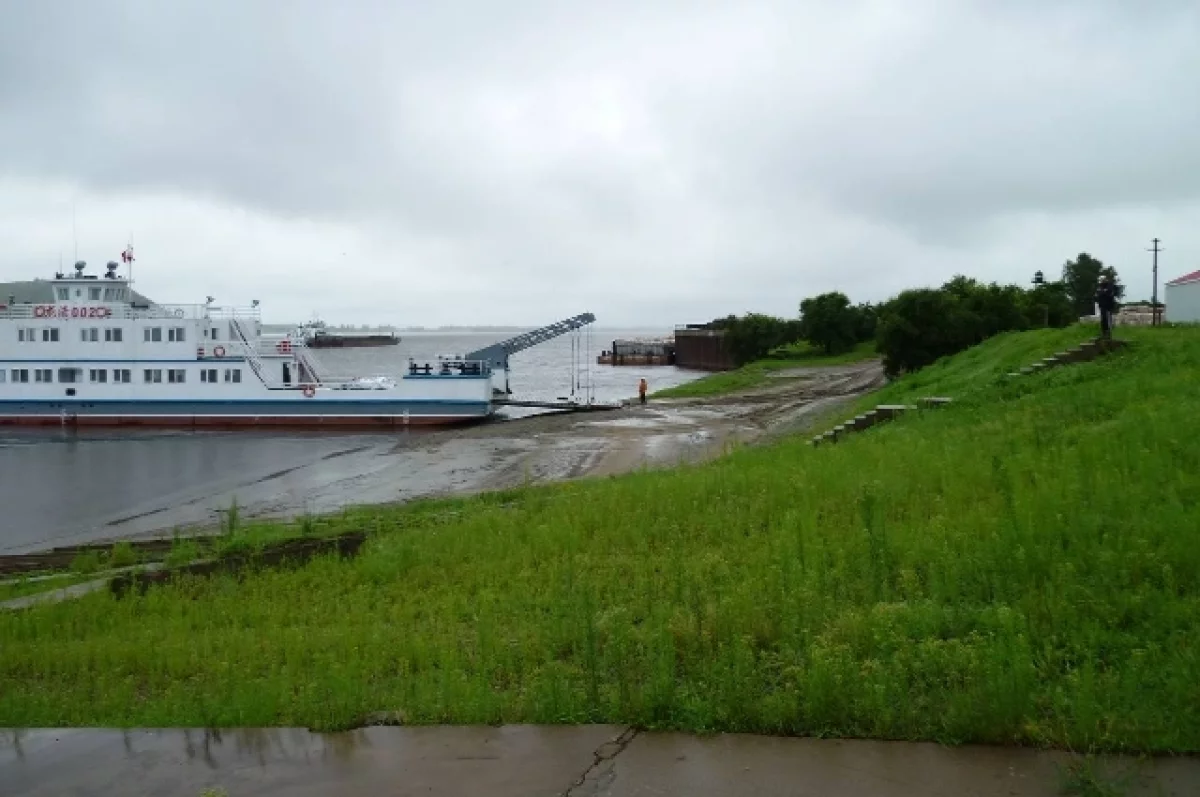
(919, 326)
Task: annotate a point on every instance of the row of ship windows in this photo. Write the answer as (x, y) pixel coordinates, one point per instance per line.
(151, 376)
(94, 294)
(111, 335)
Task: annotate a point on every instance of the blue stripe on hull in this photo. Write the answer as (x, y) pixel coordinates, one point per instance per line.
(12, 410)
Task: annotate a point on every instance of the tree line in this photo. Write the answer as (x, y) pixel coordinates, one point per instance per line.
(918, 326)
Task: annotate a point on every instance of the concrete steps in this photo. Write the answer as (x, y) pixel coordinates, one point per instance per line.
(1084, 352)
(881, 414)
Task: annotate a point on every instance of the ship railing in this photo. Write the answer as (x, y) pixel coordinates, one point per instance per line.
(449, 366)
(249, 351)
(306, 358)
(292, 345)
(193, 312)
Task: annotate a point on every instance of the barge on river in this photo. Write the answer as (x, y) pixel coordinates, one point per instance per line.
(83, 349)
(317, 336)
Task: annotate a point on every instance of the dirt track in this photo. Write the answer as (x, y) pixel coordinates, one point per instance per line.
(667, 431)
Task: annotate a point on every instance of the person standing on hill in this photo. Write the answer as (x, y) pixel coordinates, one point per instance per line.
(1106, 300)
(642, 390)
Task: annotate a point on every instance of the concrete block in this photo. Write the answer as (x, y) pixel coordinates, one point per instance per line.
(889, 411)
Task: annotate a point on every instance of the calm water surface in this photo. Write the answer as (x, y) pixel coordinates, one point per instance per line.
(63, 486)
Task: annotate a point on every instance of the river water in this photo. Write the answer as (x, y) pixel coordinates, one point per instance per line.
(65, 486)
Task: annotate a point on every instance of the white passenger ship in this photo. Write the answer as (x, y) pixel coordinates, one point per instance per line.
(84, 349)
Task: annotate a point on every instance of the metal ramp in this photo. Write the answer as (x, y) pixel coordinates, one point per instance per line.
(497, 354)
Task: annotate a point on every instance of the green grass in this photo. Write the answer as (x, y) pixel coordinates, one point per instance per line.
(757, 373)
(20, 587)
(1020, 567)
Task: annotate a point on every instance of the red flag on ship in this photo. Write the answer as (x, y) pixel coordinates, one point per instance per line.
(127, 255)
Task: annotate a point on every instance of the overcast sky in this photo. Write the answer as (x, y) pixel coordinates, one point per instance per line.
(466, 161)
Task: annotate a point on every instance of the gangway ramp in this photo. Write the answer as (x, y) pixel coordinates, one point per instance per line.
(497, 354)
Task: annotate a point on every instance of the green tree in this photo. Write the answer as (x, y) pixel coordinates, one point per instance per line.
(919, 326)
(1081, 276)
(867, 317)
(752, 336)
(1049, 304)
(828, 321)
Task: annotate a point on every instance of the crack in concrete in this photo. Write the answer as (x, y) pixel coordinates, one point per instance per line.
(601, 773)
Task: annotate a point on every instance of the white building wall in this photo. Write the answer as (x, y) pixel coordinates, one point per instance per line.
(1183, 303)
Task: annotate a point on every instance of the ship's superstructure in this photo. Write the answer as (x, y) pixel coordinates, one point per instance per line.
(87, 349)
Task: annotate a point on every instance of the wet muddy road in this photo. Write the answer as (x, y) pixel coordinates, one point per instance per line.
(532, 760)
(76, 487)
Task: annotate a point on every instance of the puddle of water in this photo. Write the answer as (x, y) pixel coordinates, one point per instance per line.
(510, 760)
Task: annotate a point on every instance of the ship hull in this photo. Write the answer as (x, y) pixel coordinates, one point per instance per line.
(348, 342)
(242, 414)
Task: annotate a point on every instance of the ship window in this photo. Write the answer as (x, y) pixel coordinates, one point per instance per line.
(176, 375)
(152, 375)
(43, 375)
(233, 374)
(209, 375)
(2, 373)
(70, 374)
(50, 335)
(98, 375)
(152, 334)
(175, 335)
(113, 335)
(213, 333)
(122, 375)
(94, 294)
(20, 374)
(63, 293)
(89, 334)
(78, 292)
(26, 335)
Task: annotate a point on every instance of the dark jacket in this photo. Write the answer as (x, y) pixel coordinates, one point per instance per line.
(1105, 298)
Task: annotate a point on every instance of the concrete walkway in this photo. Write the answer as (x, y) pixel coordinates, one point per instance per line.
(595, 760)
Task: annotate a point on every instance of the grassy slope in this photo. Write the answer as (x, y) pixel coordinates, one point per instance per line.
(757, 373)
(1020, 567)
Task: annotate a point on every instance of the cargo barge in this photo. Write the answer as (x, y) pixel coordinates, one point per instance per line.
(316, 336)
(639, 352)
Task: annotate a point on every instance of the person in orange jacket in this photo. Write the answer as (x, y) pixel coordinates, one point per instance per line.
(642, 390)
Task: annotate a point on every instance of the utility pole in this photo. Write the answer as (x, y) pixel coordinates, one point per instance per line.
(1154, 296)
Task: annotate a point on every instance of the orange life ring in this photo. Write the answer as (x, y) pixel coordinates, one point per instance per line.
(219, 351)
(309, 391)
(199, 352)
(284, 346)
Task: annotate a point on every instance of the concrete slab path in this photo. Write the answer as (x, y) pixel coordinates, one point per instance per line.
(596, 760)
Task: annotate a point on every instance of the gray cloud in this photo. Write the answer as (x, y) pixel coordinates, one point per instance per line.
(660, 161)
